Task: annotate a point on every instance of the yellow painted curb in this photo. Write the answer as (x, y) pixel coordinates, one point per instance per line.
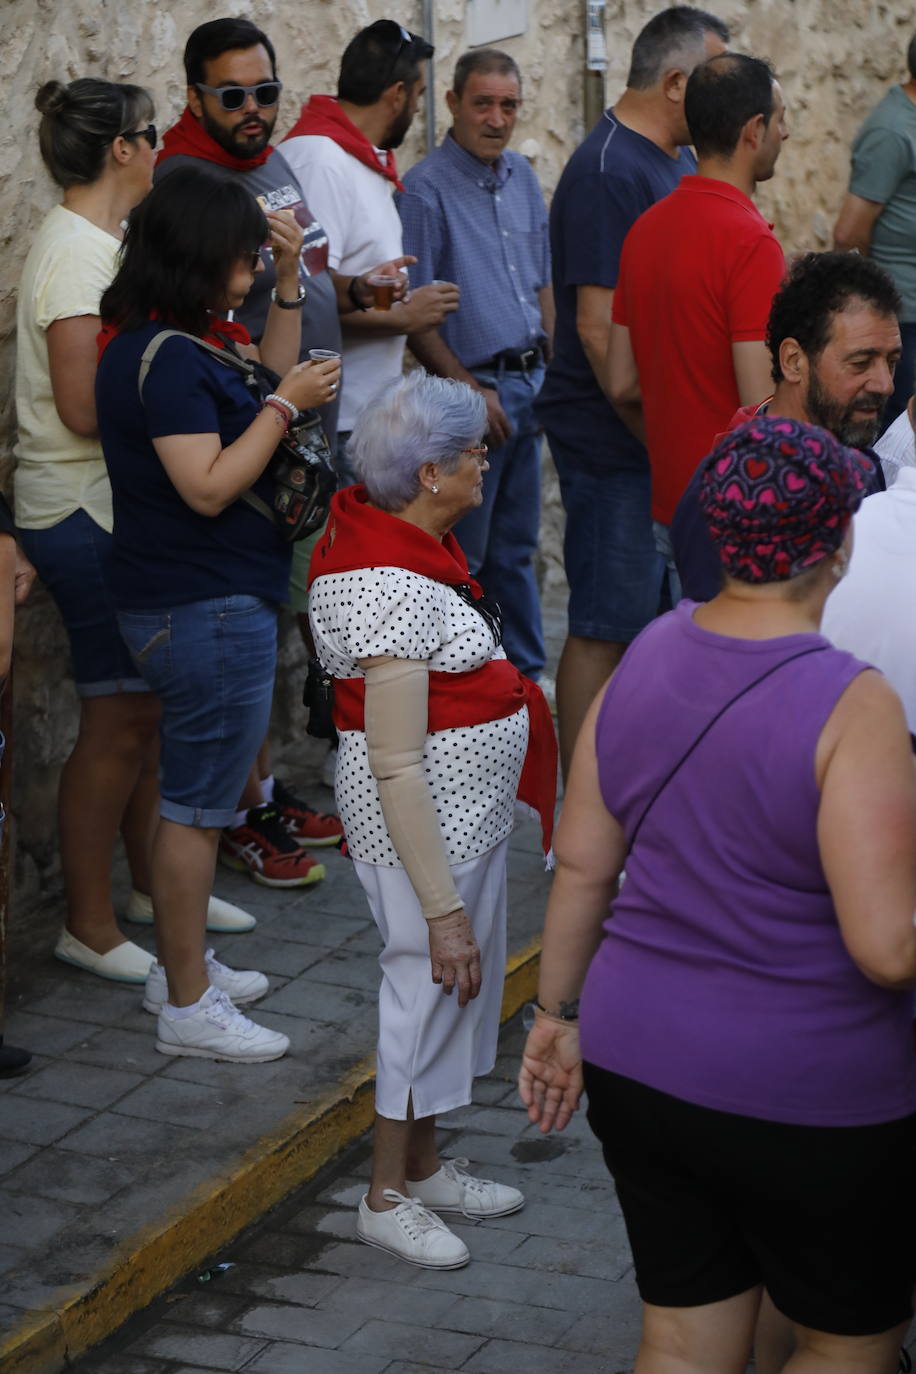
(214, 1214)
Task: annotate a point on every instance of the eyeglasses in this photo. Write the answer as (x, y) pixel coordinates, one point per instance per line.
(406, 39)
(233, 97)
(149, 133)
(479, 451)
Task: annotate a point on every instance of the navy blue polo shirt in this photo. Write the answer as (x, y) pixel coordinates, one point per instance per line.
(611, 178)
(165, 553)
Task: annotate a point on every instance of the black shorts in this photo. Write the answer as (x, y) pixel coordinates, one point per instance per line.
(715, 1204)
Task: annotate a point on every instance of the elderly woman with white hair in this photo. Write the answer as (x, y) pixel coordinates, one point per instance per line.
(438, 735)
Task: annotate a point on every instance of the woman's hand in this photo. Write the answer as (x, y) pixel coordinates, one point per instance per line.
(454, 955)
(550, 1079)
(286, 245)
(311, 384)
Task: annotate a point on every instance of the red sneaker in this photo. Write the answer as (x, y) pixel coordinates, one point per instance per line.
(316, 829)
(263, 847)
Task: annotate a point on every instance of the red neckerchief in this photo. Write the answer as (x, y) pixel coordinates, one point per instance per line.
(322, 117)
(221, 333)
(190, 137)
(359, 536)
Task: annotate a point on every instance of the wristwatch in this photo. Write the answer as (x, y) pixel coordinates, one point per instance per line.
(297, 304)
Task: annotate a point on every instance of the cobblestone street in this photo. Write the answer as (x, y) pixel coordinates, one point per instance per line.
(548, 1290)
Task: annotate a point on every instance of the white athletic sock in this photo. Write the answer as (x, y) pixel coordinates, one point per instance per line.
(267, 788)
(181, 1013)
(240, 818)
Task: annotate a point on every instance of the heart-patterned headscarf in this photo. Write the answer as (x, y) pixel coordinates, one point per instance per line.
(778, 496)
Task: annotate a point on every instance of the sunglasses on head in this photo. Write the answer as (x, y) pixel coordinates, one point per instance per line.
(234, 97)
(149, 133)
(405, 40)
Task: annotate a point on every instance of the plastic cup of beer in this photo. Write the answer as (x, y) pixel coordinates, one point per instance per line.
(382, 290)
(322, 355)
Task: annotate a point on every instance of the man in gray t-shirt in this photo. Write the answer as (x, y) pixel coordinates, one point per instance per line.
(878, 216)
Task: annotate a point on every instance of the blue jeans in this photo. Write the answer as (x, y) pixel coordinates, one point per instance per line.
(500, 537)
(212, 663)
(73, 559)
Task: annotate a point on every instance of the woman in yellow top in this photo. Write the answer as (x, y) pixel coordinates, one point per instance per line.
(97, 142)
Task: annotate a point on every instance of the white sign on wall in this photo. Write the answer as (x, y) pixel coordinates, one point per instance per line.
(490, 21)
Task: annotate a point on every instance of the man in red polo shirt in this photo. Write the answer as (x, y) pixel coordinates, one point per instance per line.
(698, 274)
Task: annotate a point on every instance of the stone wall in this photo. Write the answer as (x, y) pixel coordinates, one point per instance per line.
(835, 58)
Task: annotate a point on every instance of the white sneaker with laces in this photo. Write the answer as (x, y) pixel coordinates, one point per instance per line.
(411, 1233)
(453, 1189)
(241, 986)
(218, 1030)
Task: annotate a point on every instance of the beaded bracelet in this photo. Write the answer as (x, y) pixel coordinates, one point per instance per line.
(288, 405)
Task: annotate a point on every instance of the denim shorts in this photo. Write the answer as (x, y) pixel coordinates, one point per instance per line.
(616, 576)
(212, 663)
(73, 559)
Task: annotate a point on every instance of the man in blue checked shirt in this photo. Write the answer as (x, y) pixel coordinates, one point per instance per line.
(473, 213)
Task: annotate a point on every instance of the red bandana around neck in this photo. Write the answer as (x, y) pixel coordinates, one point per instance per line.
(322, 117)
(189, 137)
(359, 536)
(221, 333)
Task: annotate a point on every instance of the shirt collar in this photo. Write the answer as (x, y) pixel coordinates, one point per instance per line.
(711, 186)
(489, 175)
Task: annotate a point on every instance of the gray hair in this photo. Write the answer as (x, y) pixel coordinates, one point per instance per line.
(417, 419)
(673, 38)
(485, 60)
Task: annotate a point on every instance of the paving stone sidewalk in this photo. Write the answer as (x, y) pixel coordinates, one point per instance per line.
(104, 1136)
(549, 1290)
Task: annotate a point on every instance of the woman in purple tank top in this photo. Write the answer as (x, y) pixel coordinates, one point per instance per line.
(745, 1034)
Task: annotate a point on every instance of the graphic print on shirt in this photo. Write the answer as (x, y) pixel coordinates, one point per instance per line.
(315, 244)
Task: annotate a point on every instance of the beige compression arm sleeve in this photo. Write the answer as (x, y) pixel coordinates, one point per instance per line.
(397, 697)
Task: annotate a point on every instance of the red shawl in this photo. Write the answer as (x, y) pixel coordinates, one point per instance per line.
(190, 137)
(359, 536)
(322, 117)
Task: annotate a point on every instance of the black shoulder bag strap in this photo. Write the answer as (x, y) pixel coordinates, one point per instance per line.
(229, 358)
(803, 653)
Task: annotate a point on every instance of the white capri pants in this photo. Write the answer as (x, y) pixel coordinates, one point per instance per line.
(428, 1046)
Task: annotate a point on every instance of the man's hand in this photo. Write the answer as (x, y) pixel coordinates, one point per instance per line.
(454, 955)
(394, 267)
(428, 306)
(499, 427)
(23, 577)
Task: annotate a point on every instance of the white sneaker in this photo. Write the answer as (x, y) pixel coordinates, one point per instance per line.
(222, 916)
(411, 1233)
(218, 1030)
(453, 1189)
(241, 986)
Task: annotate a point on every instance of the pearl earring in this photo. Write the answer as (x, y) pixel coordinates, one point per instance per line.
(434, 489)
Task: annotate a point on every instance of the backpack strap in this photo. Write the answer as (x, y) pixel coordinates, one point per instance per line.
(229, 358)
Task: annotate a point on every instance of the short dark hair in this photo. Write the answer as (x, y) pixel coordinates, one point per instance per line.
(79, 122)
(819, 286)
(218, 36)
(378, 57)
(181, 245)
(666, 38)
(484, 60)
(722, 95)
